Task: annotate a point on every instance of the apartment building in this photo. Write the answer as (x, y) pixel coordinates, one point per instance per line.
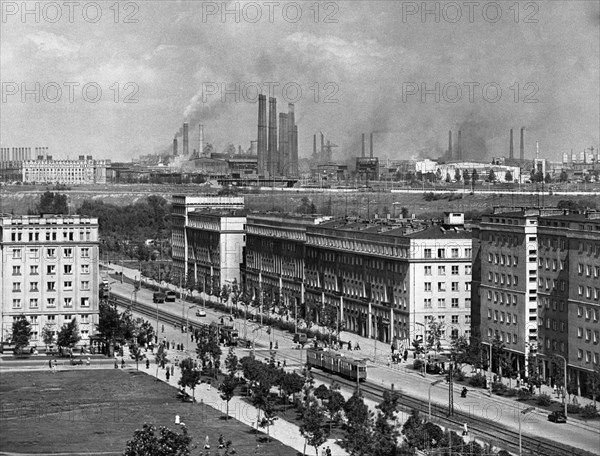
(182, 205)
(537, 289)
(49, 272)
(569, 295)
(274, 257)
(215, 241)
(70, 172)
(390, 280)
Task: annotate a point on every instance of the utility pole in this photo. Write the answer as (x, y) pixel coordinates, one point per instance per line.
(450, 392)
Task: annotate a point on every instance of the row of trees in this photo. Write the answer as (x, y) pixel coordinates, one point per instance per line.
(66, 337)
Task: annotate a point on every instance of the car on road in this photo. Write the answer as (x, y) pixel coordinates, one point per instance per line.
(557, 416)
(158, 297)
(200, 313)
(170, 296)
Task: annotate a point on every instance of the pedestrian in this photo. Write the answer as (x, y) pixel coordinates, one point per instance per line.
(54, 366)
(50, 363)
(88, 362)
(221, 441)
(168, 375)
(328, 451)
(349, 345)
(122, 363)
(405, 355)
(172, 369)
(466, 430)
(147, 364)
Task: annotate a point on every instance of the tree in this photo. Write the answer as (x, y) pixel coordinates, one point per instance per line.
(231, 362)
(438, 175)
(306, 207)
(313, 418)
(322, 392)
(593, 383)
(224, 296)
(466, 177)
(492, 176)
(539, 176)
(291, 383)
(52, 203)
(385, 434)
(564, 177)
(48, 334)
(190, 375)
(335, 404)
(21, 333)
(548, 178)
(405, 212)
(508, 177)
(68, 336)
(358, 426)
(136, 354)
(227, 390)
(145, 332)
(435, 333)
(448, 178)
(166, 443)
(457, 175)
(459, 349)
(474, 176)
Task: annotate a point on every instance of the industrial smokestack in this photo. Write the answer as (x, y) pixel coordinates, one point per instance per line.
(283, 144)
(273, 162)
(314, 146)
(371, 144)
(292, 153)
(450, 144)
(200, 139)
(262, 135)
(186, 146)
(175, 146)
(511, 152)
(459, 148)
(363, 146)
(522, 145)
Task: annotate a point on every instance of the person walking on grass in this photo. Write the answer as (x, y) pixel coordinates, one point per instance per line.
(168, 375)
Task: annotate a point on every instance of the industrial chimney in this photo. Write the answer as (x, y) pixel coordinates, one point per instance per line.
(292, 132)
(450, 144)
(459, 148)
(200, 140)
(371, 144)
(511, 152)
(363, 146)
(283, 144)
(272, 159)
(522, 146)
(262, 135)
(314, 146)
(175, 146)
(186, 146)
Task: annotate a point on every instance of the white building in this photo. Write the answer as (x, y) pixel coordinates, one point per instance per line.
(49, 272)
(72, 172)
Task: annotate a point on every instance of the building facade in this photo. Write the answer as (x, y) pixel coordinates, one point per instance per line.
(181, 207)
(70, 172)
(49, 272)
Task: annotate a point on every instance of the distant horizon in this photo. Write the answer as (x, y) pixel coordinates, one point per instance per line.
(117, 86)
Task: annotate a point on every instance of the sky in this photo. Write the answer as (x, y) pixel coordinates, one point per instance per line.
(118, 81)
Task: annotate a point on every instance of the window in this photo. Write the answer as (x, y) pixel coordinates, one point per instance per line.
(427, 253)
(33, 270)
(85, 268)
(84, 318)
(580, 290)
(468, 252)
(16, 303)
(454, 270)
(427, 270)
(454, 253)
(51, 253)
(441, 286)
(51, 302)
(495, 315)
(16, 286)
(16, 253)
(454, 286)
(68, 302)
(85, 285)
(68, 269)
(441, 253)
(68, 285)
(468, 270)
(51, 269)
(427, 303)
(580, 268)
(467, 303)
(441, 270)
(68, 252)
(427, 286)
(468, 286)
(489, 312)
(16, 270)
(454, 302)
(51, 286)
(454, 319)
(33, 286)
(85, 252)
(441, 303)
(580, 332)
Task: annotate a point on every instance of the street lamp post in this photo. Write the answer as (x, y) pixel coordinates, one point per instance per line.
(187, 325)
(423, 372)
(564, 381)
(432, 384)
(522, 412)
(490, 369)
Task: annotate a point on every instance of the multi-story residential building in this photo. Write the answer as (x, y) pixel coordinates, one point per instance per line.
(507, 294)
(72, 172)
(49, 272)
(274, 257)
(215, 242)
(569, 295)
(537, 289)
(389, 281)
(182, 205)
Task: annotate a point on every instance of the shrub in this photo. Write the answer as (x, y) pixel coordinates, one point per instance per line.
(573, 408)
(544, 399)
(499, 388)
(523, 395)
(589, 411)
(418, 364)
(511, 392)
(459, 375)
(478, 381)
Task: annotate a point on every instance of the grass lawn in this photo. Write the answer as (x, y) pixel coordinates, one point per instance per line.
(98, 411)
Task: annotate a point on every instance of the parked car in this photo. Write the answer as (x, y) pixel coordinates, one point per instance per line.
(171, 296)
(557, 416)
(300, 338)
(158, 297)
(200, 313)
